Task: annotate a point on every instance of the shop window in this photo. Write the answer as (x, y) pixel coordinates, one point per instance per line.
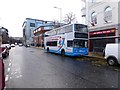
(111, 40)
(98, 45)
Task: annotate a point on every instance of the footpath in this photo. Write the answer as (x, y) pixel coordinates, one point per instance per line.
(90, 55)
(95, 55)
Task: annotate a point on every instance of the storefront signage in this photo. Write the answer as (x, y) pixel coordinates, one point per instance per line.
(102, 32)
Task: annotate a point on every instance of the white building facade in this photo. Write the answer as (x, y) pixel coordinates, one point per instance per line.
(28, 26)
(103, 20)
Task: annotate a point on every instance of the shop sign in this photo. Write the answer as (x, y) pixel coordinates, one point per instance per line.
(102, 32)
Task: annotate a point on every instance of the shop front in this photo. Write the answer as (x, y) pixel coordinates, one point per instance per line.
(99, 39)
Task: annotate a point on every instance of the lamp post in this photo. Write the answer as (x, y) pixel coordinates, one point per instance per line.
(60, 13)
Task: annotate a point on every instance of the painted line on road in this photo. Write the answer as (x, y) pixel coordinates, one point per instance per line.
(8, 69)
(6, 78)
(10, 64)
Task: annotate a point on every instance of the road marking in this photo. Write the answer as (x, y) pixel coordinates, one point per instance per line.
(10, 77)
(10, 64)
(8, 69)
(6, 78)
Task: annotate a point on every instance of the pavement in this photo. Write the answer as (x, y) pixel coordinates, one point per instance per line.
(90, 55)
(95, 55)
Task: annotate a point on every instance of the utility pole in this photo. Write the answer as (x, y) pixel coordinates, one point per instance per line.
(60, 13)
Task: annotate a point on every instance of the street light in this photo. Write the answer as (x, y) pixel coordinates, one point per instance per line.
(60, 13)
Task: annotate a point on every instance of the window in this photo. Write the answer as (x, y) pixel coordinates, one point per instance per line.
(81, 43)
(32, 24)
(118, 40)
(80, 35)
(108, 14)
(69, 28)
(81, 28)
(52, 43)
(94, 18)
(69, 43)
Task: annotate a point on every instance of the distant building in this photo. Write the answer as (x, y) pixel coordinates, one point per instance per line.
(4, 34)
(102, 18)
(18, 39)
(28, 26)
(39, 32)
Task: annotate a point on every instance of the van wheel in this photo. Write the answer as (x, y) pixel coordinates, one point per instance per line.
(112, 61)
(63, 53)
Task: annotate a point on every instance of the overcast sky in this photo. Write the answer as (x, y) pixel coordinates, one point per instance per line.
(14, 12)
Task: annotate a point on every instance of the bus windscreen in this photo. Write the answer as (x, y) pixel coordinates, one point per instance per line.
(81, 28)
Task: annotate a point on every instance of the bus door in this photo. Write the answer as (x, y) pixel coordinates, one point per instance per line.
(69, 46)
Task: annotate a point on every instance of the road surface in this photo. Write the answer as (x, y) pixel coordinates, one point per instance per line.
(35, 68)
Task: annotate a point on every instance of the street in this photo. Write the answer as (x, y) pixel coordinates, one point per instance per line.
(35, 68)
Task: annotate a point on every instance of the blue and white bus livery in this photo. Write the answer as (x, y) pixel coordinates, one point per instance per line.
(71, 40)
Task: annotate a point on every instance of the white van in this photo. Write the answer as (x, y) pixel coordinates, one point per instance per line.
(112, 54)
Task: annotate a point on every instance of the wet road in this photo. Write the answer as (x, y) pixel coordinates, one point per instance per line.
(35, 68)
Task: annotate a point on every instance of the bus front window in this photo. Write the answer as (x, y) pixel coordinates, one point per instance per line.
(81, 28)
(80, 43)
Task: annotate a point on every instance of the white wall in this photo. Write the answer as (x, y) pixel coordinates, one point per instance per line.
(99, 7)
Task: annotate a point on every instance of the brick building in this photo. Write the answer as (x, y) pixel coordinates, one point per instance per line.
(39, 32)
(39, 36)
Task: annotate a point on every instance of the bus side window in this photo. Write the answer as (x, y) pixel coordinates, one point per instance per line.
(69, 43)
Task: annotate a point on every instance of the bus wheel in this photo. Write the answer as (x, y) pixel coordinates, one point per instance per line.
(63, 52)
(47, 49)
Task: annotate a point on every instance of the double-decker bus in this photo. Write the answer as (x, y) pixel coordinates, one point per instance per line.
(71, 40)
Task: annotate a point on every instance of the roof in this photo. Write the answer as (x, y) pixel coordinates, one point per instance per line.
(33, 19)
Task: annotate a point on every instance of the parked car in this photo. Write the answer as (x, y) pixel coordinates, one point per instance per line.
(8, 46)
(5, 51)
(20, 44)
(12, 45)
(112, 54)
(27, 45)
